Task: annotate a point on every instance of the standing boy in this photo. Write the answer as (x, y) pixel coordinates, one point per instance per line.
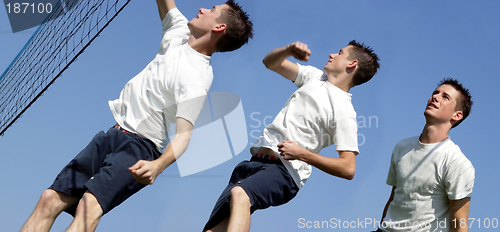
(432, 179)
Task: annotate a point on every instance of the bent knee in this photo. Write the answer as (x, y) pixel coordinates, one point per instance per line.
(89, 205)
(52, 197)
(48, 195)
(90, 200)
(239, 195)
(54, 201)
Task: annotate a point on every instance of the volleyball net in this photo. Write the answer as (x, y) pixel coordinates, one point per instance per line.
(64, 35)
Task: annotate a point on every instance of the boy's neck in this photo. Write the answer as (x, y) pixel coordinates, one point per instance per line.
(434, 133)
(203, 45)
(342, 82)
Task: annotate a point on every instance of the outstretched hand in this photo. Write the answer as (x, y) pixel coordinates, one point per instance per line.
(290, 150)
(145, 172)
(300, 51)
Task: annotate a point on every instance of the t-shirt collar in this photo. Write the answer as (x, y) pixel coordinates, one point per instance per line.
(194, 52)
(431, 145)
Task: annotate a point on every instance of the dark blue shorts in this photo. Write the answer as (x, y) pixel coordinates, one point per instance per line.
(266, 182)
(102, 168)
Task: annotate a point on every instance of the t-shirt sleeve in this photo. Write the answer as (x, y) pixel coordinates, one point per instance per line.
(307, 73)
(459, 178)
(346, 135)
(175, 30)
(190, 101)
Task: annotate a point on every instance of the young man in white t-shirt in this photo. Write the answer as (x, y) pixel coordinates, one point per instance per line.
(432, 179)
(171, 89)
(317, 115)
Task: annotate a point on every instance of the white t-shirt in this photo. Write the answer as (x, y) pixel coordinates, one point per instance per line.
(426, 177)
(174, 84)
(316, 116)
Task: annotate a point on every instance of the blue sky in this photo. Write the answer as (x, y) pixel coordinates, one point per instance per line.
(419, 43)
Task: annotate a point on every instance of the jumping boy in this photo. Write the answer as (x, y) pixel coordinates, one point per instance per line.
(171, 89)
(317, 115)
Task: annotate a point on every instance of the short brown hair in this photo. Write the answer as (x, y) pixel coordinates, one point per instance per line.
(367, 62)
(464, 102)
(238, 30)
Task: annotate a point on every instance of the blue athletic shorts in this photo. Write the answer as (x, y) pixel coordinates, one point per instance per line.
(102, 168)
(266, 182)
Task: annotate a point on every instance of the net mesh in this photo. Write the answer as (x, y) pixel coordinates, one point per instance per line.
(53, 47)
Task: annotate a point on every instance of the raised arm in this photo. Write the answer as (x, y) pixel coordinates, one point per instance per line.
(276, 60)
(460, 214)
(343, 167)
(146, 171)
(164, 6)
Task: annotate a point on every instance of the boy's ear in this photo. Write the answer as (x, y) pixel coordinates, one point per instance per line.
(457, 116)
(352, 64)
(219, 28)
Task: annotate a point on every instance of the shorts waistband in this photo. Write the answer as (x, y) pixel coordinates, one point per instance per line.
(265, 156)
(116, 126)
(276, 161)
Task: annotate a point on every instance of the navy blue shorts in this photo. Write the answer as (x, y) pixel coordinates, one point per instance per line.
(266, 182)
(102, 168)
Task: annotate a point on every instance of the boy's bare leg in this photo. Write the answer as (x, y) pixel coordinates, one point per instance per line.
(240, 211)
(50, 205)
(239, 219)
(221, 227)
(88, 214)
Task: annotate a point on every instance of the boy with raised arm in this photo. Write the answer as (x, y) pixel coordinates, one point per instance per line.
(431, 179)
(171, 89)
(317, 115)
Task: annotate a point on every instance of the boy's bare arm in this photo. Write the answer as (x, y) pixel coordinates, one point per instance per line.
(460, 214)
(276, 60)
(164, 6)
(391, 198)
(343, 167)
(146, 171)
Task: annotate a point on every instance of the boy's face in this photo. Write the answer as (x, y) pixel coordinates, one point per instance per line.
(338, 62)
(441, 105)
(206, 20)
